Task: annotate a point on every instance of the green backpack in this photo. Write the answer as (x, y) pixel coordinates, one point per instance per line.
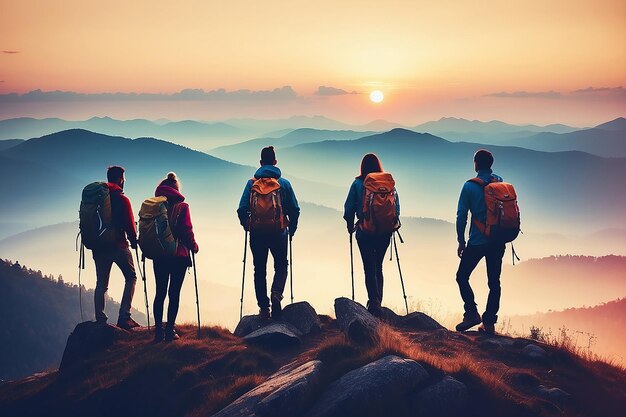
(155, 233)
(95, 217)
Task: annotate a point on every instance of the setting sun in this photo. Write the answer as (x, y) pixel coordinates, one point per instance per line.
(377, 96)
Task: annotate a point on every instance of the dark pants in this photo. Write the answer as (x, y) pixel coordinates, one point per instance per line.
(260, 244)
(493, 254)
(170, 270)
(104, 259)
(373, 249)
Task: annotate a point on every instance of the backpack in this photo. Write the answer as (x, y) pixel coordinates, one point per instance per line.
(266, 209)
(155, 229)
(95, 216)
(503, 215)
(379, 204)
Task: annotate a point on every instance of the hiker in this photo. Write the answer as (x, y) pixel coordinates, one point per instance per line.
(171, 269)
(480, 244)
(106, 254)
(378, 217)
(269, 211)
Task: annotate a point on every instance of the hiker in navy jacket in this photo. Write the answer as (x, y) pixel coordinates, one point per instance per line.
(118, 253)
(472, 199)
(372, 246)
(171, 269)
(273, 241)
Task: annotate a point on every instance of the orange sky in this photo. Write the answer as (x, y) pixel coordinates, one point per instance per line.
(423, 54)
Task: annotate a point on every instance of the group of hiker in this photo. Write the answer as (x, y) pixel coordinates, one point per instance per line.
(268, 212)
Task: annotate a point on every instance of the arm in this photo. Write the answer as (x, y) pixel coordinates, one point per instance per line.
(128, 221)
(397, 204)
(243, 212)
(185, 228)
(293, 209)
(461, 217)
(350, 207)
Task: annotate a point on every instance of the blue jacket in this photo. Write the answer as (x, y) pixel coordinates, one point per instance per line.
(287, 196)
(354, 202)
(473, 199)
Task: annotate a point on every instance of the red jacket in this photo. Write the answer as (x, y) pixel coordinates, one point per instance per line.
(180, 220)
(123, 217)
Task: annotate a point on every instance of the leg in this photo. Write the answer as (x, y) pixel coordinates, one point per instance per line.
(103, 263)
(161, 276)
(471, 256)
(382, 244)
(260, 248)
(178, 270)
(278, 248)
(494, 268)
(124, 261)
(367, 249)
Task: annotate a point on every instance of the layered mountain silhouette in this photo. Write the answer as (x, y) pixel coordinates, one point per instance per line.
(7, 143)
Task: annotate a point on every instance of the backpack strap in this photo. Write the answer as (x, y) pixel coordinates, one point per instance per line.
(482, 227)
(478, 181)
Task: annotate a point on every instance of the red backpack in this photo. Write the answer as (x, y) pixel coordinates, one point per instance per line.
(379, 204)
(266, 209)
(503, 215)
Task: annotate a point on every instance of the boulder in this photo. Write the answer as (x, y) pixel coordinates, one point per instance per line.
(372, 390)
(446, 398)
(275, 334)
(554, 394)
(534, 352)
(88, 338)
(248, 324)
(390, 316)
(286, 393)
(420, 321)
(356, 322)
(302, 316)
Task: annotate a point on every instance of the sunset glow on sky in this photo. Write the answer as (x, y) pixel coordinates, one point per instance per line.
(532, 61)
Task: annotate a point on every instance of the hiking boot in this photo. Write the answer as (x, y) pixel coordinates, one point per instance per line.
(158, 334)
(264, 313)
(487, 328)
(127, 324)
(170, 334)
(469, 320)
(374, 308)
(277, 310)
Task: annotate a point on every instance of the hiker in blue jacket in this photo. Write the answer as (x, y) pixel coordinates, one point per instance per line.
(269, 233)
(372, 245)
(472, 199)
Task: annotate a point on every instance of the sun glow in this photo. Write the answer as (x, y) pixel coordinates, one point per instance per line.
(377, 96)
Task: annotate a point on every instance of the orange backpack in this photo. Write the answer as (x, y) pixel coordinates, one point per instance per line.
(379, 204)
(503, 215)
(266, 209)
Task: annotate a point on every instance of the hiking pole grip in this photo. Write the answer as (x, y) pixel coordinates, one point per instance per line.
(195, 280)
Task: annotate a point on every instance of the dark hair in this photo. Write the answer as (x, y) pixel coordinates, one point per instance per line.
(171, 181)
(370, 163)
(268, 156)
(483, 159)
(115, 173)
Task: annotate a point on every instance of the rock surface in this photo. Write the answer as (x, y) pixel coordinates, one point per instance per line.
(275, 334)
(286, 393)
(88, 338)
(248, 324)
(446, 398)
(420, 321)
(355, 321)
(371, 389)
(555, 394)
(534, 352)
(302, 316)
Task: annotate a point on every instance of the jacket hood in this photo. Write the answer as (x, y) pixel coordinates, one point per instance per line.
(114, 187)
(172, 194)
(267, 171)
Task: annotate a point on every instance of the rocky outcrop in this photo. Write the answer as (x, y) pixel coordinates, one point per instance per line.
(286, 393)
(356, 322)
(534, 352)
(275, 334)
(446, 398)
(298, 319)
(302, 316)
(89, 338)
(420, 321)
(372, 389)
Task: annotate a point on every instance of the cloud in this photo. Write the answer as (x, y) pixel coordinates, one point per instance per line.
(619, 92)
(10, 52)
(526, 94)
(323, 90)
(286, 93)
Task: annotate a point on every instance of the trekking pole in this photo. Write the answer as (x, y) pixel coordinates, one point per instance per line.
(352, 266)
(395, 246)
(195, 279)
(81, 265)
(291, 267)
(243, 278)
(143, 278)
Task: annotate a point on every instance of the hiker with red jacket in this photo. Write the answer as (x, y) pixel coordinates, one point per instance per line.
(105, 256)
(480, 245)
(374, 200)
(171, 269)
(269, 210)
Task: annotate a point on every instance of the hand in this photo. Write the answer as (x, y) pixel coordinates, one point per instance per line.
(195, 248)
(460, 250)
(350, 227)
(292, 231)
(246, 225)
(133, 244)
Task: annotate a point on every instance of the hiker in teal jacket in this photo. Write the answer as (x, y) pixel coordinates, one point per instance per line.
(262, 242)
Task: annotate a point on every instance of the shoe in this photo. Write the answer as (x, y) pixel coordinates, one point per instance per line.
(127, 324)
(170, 334)
(469, 320)
(264, 313)
(374, 308)
(158, 334)
(487, 328)
(277, 310)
